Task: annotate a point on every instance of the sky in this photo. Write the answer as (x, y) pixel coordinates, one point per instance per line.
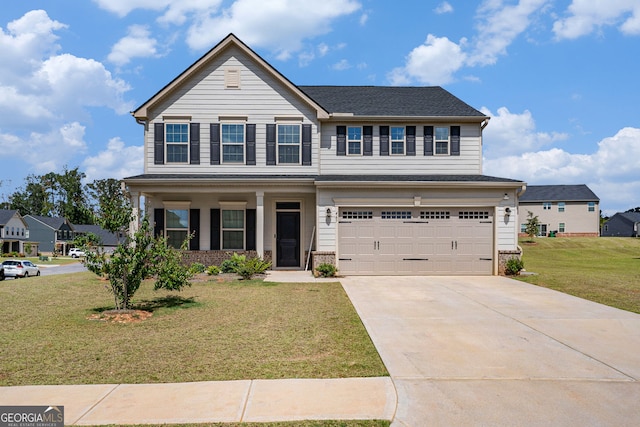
(560, 79)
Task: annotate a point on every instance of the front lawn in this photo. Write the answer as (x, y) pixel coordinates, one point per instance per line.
(600, 269)
(210, 331)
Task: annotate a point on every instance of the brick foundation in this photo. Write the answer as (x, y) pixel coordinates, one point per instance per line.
(320, 257)
(503, 257)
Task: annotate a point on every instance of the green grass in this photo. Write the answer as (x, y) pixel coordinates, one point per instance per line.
(604, 269)
(210, 331)
(52, 261)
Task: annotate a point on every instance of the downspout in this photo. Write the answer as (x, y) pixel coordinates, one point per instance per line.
(520, 193)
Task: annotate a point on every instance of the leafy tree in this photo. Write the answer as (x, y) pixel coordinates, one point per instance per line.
(111, 206)
(143, 257)
(72, 202)
(636, 209)
(532, 225)
(34, 199)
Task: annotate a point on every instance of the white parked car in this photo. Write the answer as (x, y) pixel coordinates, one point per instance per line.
(20, 268)
(76, 253)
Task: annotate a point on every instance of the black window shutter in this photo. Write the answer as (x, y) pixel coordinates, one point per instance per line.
(271, 144)
(215, 229)
(306, 145)
(158, 143)
(455, 140)
(411, 140)
(251, 144)
(251, 229)
(341, 140)
(194, 222)
(158, 222)
(428, 140)
(367, 140)
(384, 140)
(194, 142)
(215, 143)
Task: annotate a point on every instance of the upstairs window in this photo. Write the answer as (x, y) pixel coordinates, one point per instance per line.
(442, 140)
(546, 206)
(354, 140)
(289, 144)
(592, 206)
(560, 206)
(177, 142)
(397, 140)
(233, 143)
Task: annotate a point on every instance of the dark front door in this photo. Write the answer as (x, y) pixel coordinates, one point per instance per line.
(288, 239)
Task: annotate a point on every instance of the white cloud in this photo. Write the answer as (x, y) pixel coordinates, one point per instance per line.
(175, 11)
(253, 21)
(586, 16)
(433, 63)
(117, 161)
(611, 172)
(137, 44)
(443, 7)
(341, 65)
(498, 26)
(511, 133)
(46, 152)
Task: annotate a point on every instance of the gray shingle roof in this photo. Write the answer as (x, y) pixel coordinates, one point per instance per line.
(106, 237)
(53, 222)
(6, 215)
(559, 193)
(390, 101)
(631, 217)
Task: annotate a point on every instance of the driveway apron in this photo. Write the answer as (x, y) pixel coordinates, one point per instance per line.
(492, 351)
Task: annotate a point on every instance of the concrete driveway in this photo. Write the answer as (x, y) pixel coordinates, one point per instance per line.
(491, 351)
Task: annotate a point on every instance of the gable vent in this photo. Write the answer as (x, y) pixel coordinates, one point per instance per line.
(232, 78)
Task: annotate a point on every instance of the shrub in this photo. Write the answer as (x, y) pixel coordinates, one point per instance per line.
(326, 270)
(213, 270)
(251, 267)
(197, 268)
(231, 265)
(513, 266)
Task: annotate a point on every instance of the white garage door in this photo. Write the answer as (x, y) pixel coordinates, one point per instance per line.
(415, 241)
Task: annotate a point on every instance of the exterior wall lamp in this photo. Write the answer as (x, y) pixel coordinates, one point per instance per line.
(328, 213)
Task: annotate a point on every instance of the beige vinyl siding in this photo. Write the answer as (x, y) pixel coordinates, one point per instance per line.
(469, 161)
(576, 216)
(204, 98)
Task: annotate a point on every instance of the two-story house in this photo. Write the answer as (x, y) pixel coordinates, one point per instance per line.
(14, 233)
(563, 210)
(376, 180)
(53, 233)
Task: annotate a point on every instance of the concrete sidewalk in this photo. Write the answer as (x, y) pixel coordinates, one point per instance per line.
(214, 401)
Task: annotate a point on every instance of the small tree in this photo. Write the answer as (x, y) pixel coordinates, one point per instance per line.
(142, 257)
(532, 225)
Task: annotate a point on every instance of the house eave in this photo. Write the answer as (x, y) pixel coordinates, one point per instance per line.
(349, 117)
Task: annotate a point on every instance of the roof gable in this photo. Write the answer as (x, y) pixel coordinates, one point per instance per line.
(559, 193)
(7, 214)
(52, 222)
(141, 113)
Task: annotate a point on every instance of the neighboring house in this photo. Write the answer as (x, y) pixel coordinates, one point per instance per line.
(565, 210)
(622, 224)
(376, 180)
(54, 233)
(108, 240)
(14, 234)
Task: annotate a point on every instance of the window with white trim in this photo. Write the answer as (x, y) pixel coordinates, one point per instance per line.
(397, 140)
(592, 206)
(233, 229)
(289, 141)
(176, 226)
(354, 140)
(561, 227)
(233, 142)
(441, 140)
(560, 206)
(176, 136)
(546, 206)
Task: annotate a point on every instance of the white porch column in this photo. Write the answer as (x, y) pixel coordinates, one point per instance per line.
(135, 205)
(260, 223)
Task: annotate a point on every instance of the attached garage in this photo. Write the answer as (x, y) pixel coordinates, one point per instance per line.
(415, 241)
